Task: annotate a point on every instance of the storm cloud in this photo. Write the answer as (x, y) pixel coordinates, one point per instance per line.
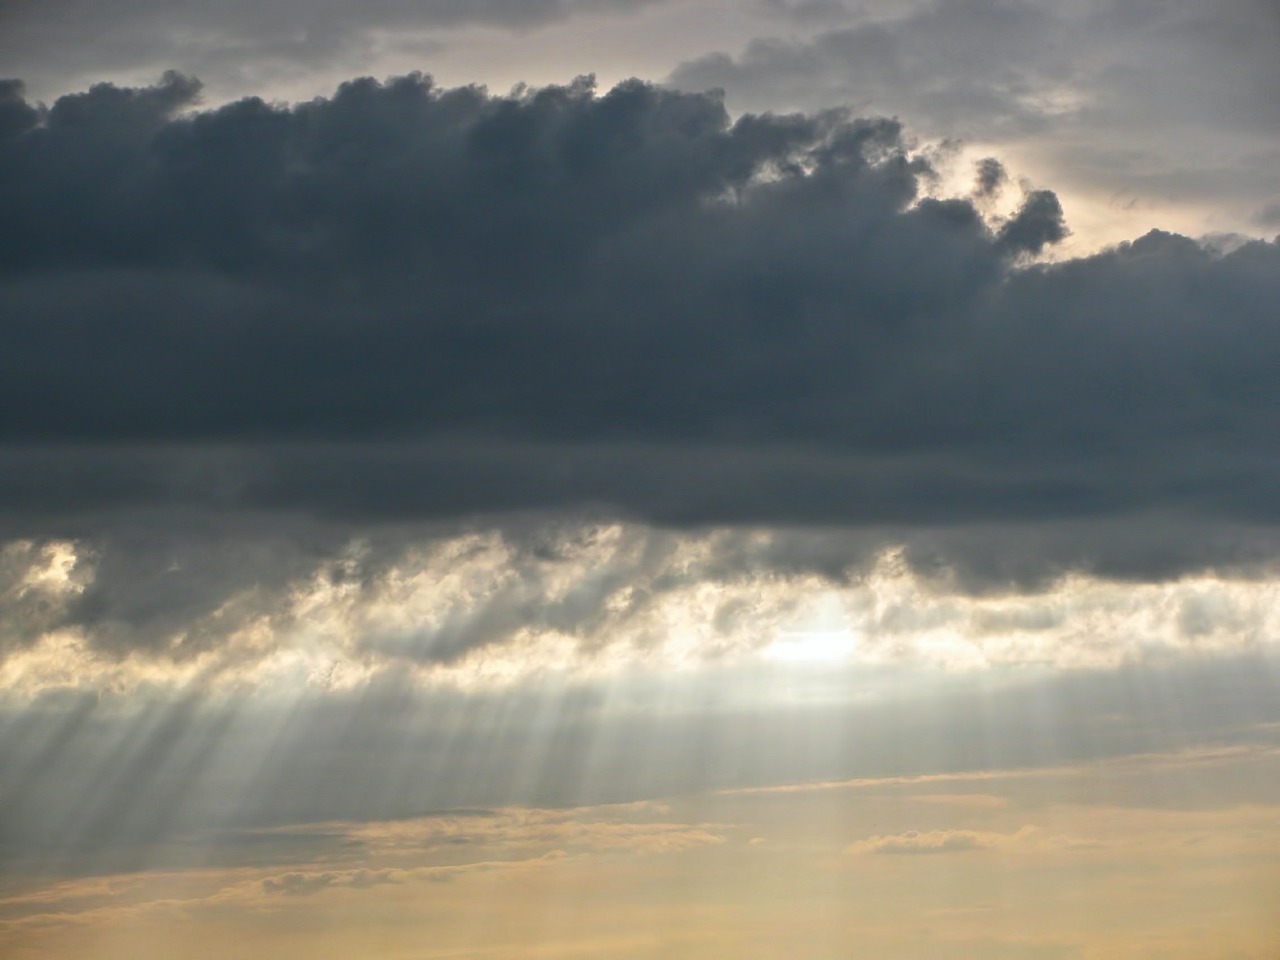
(405, 302)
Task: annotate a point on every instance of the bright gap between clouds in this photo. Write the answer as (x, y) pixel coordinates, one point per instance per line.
(488, 609)
(811, 646)
(826, 638)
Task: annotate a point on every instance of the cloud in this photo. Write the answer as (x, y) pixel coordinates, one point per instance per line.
(408, 302)
(993, 68)
(244, 867)
(307, 882)
(16, 115)
(990, 177)
(932, 841)
(1269, 216)
(1145, 102)
(964, 69)
(244, 43)
(1037, 224)
(288, 372)
(39, 584)
(805, 11)
(496, 606)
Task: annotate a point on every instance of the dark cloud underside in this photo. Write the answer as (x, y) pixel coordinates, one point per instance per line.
(406, 302)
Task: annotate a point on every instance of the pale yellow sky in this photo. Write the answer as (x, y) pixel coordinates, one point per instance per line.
(1109, 860)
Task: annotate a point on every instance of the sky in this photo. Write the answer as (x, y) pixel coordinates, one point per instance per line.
(668, 479)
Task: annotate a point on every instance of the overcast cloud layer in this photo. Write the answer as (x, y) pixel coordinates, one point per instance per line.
(564, 298)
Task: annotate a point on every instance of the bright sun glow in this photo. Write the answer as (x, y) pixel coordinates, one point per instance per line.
(811, 646)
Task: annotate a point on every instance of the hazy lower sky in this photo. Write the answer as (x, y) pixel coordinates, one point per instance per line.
(587, 478)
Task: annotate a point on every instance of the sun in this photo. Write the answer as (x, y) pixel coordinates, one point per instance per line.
(811, 646)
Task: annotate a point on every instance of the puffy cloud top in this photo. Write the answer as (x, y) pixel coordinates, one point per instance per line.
(402, 258)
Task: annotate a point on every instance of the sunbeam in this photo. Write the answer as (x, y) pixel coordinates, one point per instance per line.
(809, 504)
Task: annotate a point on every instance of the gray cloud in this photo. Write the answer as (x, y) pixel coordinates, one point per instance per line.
(805, 11)
(1037, 224)
(407, 302)
(990, 177)
(1269, 216)
(999, 62)
(915, 843)
(300, 884)
(961, 69)
(1150, 103)
(245, 42)
(245, 342)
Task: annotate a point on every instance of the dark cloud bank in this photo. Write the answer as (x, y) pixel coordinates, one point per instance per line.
(408, 304)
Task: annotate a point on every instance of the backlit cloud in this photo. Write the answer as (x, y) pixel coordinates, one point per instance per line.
(406, 304)
(562, 522)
